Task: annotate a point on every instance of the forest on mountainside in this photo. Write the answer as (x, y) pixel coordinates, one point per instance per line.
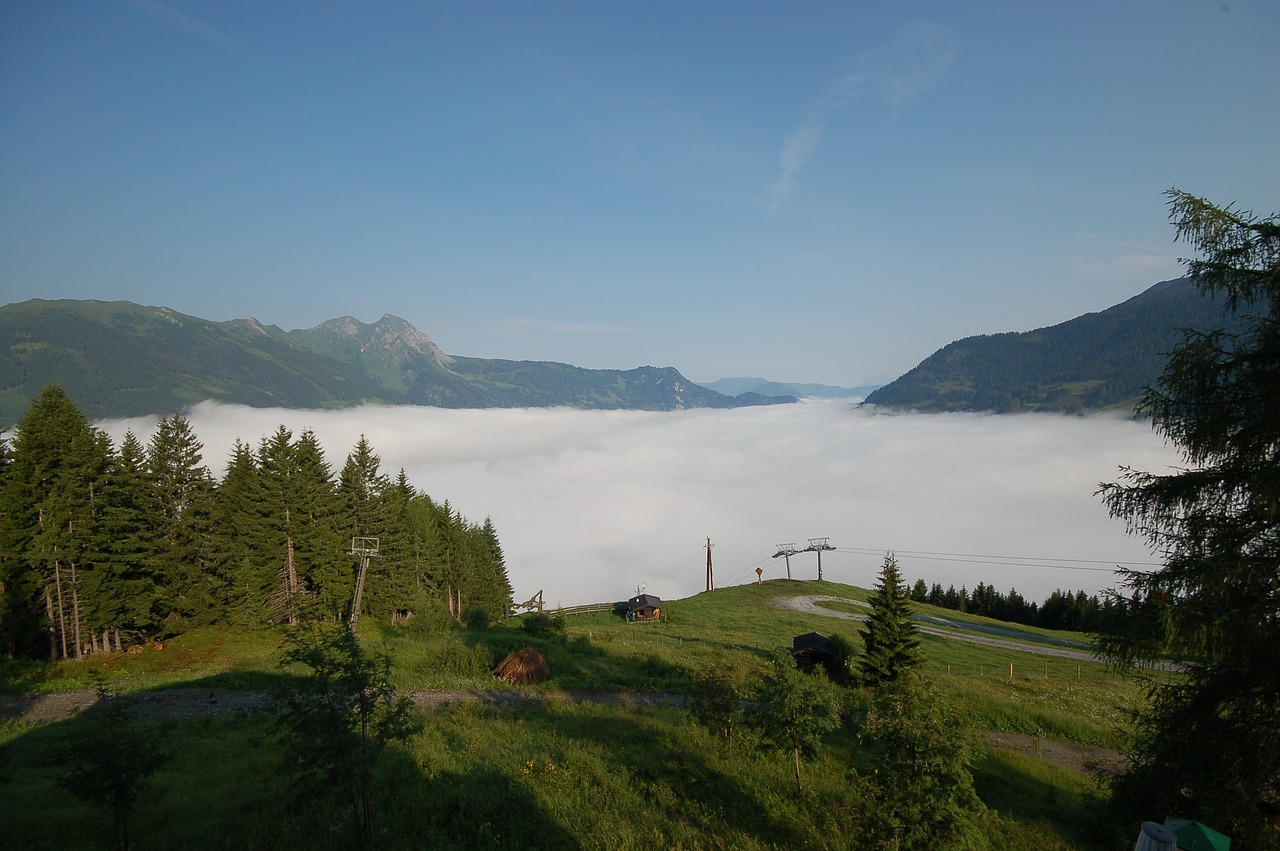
(1097, 360)
(119, 359)
(105, 547)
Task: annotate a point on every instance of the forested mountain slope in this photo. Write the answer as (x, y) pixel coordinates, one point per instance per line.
(121, 359)
(1097, 360)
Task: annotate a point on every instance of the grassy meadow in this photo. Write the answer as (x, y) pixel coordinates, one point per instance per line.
(555, 770)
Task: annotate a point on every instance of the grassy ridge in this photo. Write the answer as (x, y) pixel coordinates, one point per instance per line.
(573, 775)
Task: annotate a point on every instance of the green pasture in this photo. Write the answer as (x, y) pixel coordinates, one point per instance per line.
(558, 772)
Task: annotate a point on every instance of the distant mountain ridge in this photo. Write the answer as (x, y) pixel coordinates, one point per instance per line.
(120, 359)
(736, 386)
(1097, 360)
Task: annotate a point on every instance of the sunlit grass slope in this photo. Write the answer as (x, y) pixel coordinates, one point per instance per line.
(573, 774)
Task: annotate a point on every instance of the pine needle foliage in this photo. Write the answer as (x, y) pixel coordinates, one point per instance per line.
(1210, 743)
(891, 638)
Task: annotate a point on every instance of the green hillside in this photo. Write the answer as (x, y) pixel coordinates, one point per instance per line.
(601, 756)
(120, 359)
(1098, 360)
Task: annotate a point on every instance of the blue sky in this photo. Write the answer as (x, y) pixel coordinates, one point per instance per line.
(820, 192)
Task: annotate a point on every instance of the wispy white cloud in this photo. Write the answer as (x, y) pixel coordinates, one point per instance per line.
(1127, 260)
(917, 60)
(195, 26)
(588, 504)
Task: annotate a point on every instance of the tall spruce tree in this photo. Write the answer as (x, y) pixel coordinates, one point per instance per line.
(323, 567)
(121, 583)
(891, 639)
(1210, 742)
(364, 497)
(57, 464)
(497, 584)
(181, 487)
(244, 577)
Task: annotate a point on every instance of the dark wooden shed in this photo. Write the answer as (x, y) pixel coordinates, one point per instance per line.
(812, 649)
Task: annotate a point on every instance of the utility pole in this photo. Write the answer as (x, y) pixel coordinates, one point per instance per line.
(818, 545)
(710, 583)
(787, 551)
(365, 548)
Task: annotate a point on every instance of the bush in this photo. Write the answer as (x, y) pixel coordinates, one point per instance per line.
(541, 623)
(715, 701)
(109, 759)
(476, 618)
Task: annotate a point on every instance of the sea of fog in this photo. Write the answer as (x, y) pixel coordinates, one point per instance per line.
(591, 505)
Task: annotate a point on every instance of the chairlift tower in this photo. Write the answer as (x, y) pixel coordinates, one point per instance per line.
(817, 545)
(365, 549)
(787, 551)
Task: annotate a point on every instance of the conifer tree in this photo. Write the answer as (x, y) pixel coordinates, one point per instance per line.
(122, 582)
(365, 499)
(891, 638)
(497, 582)
(180, 489)
(1210, 743)
(320, 551)
(57, 460)
(238, 531)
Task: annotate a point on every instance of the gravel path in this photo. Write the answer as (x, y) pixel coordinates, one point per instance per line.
(809, 605)
(192, 703)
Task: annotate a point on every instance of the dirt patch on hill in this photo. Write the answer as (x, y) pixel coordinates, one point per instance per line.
(1089, 759)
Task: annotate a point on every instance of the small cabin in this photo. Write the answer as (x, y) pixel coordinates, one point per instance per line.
(811, 650)
(643, 608)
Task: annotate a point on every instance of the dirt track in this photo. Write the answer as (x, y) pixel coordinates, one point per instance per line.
(809, 605)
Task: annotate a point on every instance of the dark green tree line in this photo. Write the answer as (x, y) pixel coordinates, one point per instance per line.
(103, 547)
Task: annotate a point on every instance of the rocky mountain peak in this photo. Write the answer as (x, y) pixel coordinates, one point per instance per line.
(390, 338)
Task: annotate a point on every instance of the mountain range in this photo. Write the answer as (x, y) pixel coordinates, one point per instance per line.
(765, 387)
(120, 359)
(1097, 360)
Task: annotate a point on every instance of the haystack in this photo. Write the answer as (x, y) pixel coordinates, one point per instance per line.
(523, 667)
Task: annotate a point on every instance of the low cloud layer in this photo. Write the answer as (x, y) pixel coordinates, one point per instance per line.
(590, 504)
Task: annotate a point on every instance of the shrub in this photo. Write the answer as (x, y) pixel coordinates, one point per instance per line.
(475, 618)
(541, 623)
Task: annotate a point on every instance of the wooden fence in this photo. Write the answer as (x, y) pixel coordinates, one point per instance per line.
(582, 610)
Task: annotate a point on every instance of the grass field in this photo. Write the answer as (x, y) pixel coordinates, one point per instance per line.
(561, 773)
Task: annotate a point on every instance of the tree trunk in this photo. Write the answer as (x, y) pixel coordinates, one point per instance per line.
(291, 577)
(53, 628)
(75, 613)
(795, 760)
(62, 620)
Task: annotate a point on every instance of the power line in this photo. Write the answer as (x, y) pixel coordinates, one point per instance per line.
(1007, 561)
(1034, 562)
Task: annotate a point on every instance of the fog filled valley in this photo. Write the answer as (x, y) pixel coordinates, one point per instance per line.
(590, 504)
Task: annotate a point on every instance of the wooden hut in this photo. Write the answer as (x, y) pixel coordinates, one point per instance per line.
(643, 608)
(812, 649)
